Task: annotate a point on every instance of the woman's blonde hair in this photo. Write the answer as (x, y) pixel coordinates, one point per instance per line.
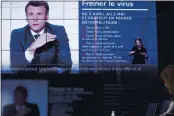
(168, 76)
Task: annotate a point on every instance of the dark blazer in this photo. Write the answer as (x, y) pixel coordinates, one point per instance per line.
(10, 110)
(52, 54)
(138, 58)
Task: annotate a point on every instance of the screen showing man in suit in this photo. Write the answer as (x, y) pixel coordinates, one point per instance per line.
(21, 107)
(39, 43)
(94, 41)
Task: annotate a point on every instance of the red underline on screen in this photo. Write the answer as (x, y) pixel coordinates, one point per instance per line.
(115, 9)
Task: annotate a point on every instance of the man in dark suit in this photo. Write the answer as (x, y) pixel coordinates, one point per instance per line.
(39, 44)
(21, 107)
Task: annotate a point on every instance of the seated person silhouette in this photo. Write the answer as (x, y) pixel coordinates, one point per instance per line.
(168, 77)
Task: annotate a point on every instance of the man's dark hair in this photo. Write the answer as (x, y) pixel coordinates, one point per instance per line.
(22, 90)
(37, 4)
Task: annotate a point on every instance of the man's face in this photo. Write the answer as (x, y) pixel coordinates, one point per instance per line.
(36, 17)
(19, 98)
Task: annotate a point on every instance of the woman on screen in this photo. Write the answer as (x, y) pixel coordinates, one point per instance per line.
(139, 52)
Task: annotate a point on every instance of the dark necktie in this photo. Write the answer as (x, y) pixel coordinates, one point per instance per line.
(36, 36)
(37, 55)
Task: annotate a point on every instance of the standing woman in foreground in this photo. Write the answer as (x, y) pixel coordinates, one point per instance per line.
(139, 52)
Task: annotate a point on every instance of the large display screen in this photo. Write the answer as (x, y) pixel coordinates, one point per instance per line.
(51, 97)
(79, 37)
